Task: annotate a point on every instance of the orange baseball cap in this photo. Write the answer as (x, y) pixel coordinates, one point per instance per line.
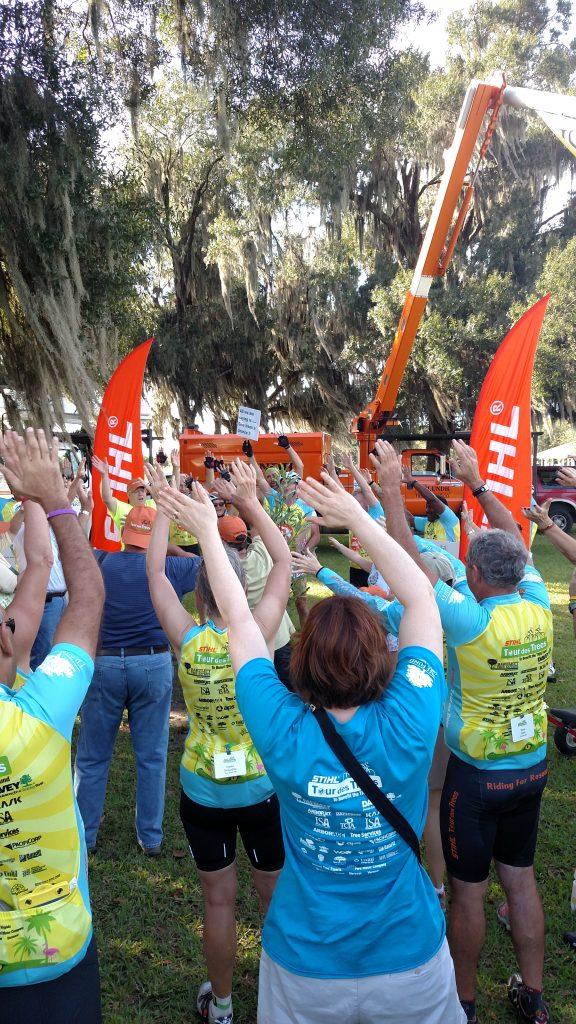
(136, 483)
(232, 529)
(138, 526)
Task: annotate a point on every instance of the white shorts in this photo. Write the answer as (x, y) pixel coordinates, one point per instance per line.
(427, 993)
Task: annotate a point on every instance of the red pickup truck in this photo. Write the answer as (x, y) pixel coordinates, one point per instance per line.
(563, 507)
(430, 467)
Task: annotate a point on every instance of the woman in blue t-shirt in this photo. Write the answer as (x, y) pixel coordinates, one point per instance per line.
(354, 931)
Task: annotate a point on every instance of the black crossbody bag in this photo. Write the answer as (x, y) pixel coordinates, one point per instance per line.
(376, 797)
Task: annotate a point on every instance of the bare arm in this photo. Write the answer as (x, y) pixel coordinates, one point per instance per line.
(352, 556)
(32, 469)
(197, 514)
(361, 481)
(261, 481)
(105, 491)
(175, 459)
(421, 619)
(296, 461)
(172, 615)
(389, 471)
(563, 541)
(27, 608)
(465, 464)
(272, 605)
(209, 464)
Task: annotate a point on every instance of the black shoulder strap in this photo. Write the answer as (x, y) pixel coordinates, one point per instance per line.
(376, 797)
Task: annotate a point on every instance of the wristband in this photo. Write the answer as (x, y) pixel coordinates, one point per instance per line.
(60, 512)
(543, 529)
(319, 570)
(479, 490)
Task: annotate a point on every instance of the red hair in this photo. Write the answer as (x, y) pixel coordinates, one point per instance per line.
(341, 657)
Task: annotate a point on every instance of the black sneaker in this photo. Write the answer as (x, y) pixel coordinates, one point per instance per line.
(469, 1007)
(529, 1005)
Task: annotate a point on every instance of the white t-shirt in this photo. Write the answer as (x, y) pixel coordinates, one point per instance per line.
(56, 583)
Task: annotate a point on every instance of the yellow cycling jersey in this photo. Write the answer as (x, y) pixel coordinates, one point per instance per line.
(45, 917)
(216, 725)
(498, 655)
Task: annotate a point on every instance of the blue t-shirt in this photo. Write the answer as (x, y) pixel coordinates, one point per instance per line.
(352, 900)
(43, 868)
(445, 527)
(129, 619)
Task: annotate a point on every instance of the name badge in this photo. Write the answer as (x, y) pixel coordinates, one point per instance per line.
(522, 727)
(230, 764)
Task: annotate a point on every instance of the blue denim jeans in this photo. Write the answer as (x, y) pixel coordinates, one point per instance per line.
(45, 636)
(143, 685)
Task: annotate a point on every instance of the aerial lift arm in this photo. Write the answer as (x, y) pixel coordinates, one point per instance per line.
(476, 124)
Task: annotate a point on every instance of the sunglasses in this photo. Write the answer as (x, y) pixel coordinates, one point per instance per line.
(219, 504)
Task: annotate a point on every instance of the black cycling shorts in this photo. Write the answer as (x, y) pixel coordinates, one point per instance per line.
(73, 998)
(489, 814)
(211, 833)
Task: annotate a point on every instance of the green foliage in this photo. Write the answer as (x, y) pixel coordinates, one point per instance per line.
(252, 180)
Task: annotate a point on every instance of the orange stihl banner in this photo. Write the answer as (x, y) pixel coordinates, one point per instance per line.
(118, 441)
(502, 428)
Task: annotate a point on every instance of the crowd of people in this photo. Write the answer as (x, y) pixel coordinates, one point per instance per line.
(332, 750)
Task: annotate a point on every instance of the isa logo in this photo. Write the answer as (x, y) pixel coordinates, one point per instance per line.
(5, 766)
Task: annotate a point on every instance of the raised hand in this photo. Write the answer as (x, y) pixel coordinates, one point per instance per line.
(100, 465)
(335, 506)
(566, 476)
(244, 478)
(464, 462)
(283, 441)
(32, 468)
(305, 561)
(85, 497)
(195, 514)
(156, 480)
(539, 514)
(387, 464)
(225, 489)
(247, 448)
(175, 458)
(73, 489)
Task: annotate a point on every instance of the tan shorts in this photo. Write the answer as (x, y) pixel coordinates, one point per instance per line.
(427, 993)
(437, 772)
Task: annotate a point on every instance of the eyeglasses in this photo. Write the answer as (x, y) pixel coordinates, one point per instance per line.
(219, 504)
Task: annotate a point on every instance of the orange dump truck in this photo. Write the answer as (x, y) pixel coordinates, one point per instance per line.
(313, 448)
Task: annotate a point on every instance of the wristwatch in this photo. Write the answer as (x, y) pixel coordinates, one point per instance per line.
(572, 606)
(480, 490)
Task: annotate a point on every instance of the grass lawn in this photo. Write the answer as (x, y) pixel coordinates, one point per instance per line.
(148, 914)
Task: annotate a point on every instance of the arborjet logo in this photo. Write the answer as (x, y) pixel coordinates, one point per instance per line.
(5, 766)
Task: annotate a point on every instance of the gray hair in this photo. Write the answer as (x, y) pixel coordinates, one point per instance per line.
(203, 590)
(500, 556)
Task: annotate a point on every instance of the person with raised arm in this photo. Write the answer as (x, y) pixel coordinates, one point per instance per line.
(48, 958)
(439, 523)
(388, 960)
(225, 788)
(499, 642)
